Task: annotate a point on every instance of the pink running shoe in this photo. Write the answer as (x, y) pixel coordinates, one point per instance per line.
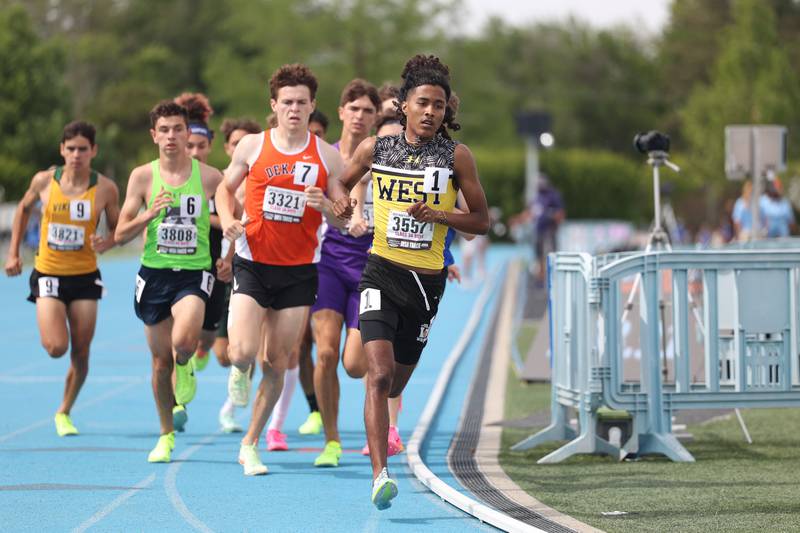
(395, 443)
(276, 441)
(365, 449)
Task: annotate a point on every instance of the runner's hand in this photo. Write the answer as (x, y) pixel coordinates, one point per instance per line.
(422, 212)
(224, 270)
(315, 198)
(233, 230)
(453, 273)
(358, 226)
(343, 207)
(162, 200)
(13, 266)
(102, 244)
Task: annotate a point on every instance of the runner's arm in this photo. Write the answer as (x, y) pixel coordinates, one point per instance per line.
(358, 225)
(211, 180)
(131, 221)
(39, 182)
(226, 190)
(111, 208)
(461, 207)
(476, 221)
(359, 164)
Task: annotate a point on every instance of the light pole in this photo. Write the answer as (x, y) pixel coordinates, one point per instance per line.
(536, 128)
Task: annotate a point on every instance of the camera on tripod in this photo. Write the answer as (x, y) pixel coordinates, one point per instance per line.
(651, 141)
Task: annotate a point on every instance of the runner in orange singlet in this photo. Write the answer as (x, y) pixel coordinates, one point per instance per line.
(289, 171)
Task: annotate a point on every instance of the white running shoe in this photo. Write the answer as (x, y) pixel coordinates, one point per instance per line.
(227, 422)
(384, 490)
(239, 386)
(249, 459)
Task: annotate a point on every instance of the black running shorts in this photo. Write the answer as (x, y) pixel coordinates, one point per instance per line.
(275, 286)
(398, 305)
(215, 307)
(158, 289)
(222, 331)
(66, 288)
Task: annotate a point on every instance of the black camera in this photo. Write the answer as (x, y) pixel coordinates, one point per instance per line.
(651, 141)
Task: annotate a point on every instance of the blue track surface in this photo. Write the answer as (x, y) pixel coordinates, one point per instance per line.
(102, 481)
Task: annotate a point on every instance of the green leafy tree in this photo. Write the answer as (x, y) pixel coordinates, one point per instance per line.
(33, 101)
(753, 82)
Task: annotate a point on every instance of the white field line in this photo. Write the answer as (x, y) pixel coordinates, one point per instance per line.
(108, 509)
(81, 407)
(421, 471)
(170, 484)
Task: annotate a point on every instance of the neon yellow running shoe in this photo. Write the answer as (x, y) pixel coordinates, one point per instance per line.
(179, 418)
(384, 490)
(312, 425)
(330, 455)
(200, 362)
(162, 453)
(185, 383)
(249, 459)
(64, 425)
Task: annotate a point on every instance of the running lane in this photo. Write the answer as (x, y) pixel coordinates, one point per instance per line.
(102, 481)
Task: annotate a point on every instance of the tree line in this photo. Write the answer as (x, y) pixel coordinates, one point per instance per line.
(716, 62)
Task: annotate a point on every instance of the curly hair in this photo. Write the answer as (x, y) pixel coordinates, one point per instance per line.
(427, 70)
(168, 108)
(197, 106)
(229, 125)
(291, 76)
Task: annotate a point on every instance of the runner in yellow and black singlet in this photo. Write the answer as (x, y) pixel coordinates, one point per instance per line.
(416, 176)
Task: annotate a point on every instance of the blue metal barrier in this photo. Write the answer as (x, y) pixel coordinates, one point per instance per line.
(750, 331)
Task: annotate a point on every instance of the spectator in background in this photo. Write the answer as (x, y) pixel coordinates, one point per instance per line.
(546, 213)
(776, 211)
(742, 217)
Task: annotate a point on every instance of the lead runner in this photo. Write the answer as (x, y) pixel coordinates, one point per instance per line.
(416, 176)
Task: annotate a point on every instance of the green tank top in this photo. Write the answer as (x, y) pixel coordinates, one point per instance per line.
(178, 237)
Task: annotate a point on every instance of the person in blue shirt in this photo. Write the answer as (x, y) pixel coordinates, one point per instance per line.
(776, 211)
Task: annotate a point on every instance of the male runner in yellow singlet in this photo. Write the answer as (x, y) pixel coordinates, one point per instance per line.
(65, 282)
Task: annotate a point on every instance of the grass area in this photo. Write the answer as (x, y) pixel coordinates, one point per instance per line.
(525, 336)
(733, 486)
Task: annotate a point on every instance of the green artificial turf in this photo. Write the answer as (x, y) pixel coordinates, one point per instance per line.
(732, 486)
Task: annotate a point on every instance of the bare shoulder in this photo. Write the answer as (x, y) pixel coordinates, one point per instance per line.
(365, 150)
(141, 179)
(41, 180)
(207, 171)
(463, 152)
(248, 145)
(330, 154)
(104, 183)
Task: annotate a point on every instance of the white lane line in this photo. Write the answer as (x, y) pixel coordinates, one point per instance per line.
(172, 489)
(24, 368)
(83, 405)
(26, 380)
(450, 494)
(108, 509)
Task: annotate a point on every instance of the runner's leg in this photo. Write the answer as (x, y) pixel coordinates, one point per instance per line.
(160, 342)
(82, 315)
(283, 334)
(51, 315)
(327, 327)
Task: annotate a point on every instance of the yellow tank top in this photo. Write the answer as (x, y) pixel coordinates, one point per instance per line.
(403, 174)
(68, 224)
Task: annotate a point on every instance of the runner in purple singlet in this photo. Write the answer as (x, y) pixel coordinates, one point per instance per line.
(343, 257)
